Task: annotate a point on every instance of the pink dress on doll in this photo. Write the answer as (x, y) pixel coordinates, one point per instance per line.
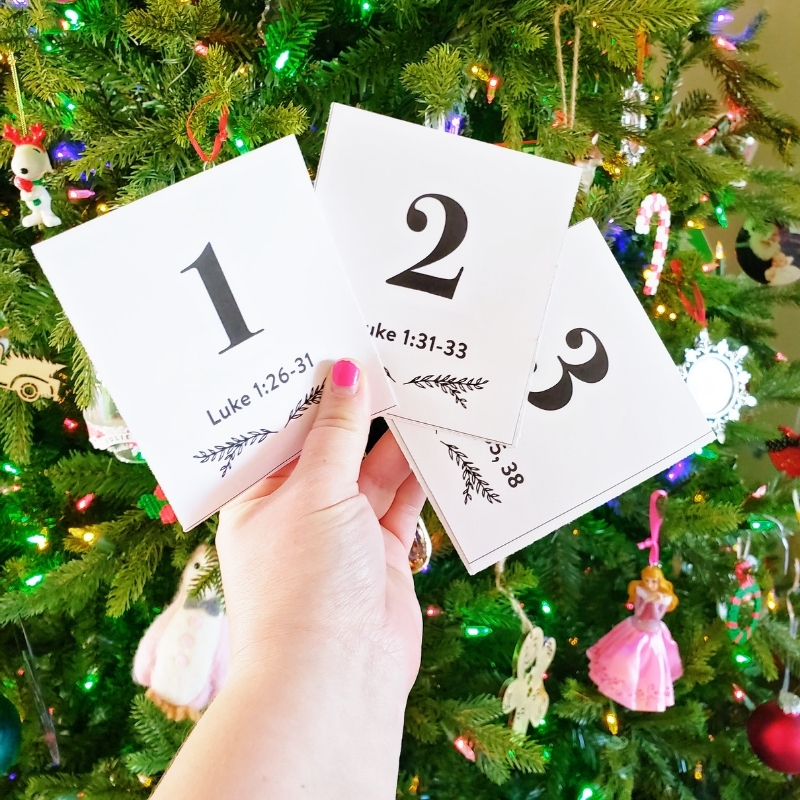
(637, 661)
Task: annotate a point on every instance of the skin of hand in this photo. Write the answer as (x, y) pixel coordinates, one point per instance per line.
(325, 626)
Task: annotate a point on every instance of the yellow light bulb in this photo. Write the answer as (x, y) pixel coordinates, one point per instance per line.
(102, 208)
(660, 309)
(690, 223)
(772, 600)
(719, 252)
(89, 536)
(673, 316)
(698, 771)
(573, 640)
(647, 274)
(612, 722)
(242, 70)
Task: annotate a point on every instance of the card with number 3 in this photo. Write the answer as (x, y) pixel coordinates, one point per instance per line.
(213, 310)
(606, 409)
(451, 247)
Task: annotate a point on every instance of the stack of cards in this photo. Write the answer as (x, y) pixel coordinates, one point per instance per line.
(515, 365)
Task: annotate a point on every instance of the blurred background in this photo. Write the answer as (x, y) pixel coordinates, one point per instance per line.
(780, 50)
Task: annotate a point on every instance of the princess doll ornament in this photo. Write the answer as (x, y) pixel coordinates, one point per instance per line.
(637, 662)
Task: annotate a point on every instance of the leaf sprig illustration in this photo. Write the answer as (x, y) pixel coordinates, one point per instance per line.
(473, 480)
(311, 399)
(226, 453)
(455, 387)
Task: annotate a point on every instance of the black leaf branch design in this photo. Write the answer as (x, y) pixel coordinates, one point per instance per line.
(226, 453)
(311, 399)
(473, 480)
(455, 387)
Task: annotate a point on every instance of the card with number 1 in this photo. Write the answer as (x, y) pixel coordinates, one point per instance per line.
(451, 246)
(606, 409)
(213, 310)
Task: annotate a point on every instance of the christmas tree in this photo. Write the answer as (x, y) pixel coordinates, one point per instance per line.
(135, 95)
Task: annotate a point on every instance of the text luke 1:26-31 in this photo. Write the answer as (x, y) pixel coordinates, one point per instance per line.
(272, 382)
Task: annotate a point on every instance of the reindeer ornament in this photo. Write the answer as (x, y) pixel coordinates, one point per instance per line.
(29, 164)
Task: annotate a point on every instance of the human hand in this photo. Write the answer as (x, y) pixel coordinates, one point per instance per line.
(325, 626)
(337, 529)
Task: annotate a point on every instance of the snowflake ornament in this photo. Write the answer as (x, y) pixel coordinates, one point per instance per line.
(525, 695)
(717, 380)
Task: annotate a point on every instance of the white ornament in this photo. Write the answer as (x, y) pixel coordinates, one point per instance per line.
(184, 655)
(29, 164)
(589, 164)
(632, 118)
(525, 695)
(108, 430)
(716, 378)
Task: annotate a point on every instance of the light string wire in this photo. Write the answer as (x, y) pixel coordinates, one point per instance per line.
(12, 61)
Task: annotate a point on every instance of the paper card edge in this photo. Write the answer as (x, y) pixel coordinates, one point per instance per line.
(193, 525)
(485, 561)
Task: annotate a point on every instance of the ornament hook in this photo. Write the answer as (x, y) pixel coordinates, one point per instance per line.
(656, 519)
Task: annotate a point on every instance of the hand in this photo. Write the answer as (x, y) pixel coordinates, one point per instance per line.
(317, 554)
(325, 626)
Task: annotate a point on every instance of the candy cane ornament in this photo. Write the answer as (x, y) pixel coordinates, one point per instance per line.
(654, 204)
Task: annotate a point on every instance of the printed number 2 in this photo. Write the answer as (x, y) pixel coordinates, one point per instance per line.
(591, 371)
(222, 297)
(455, 229)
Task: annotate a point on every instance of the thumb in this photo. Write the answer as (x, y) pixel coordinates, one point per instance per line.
(334, 448)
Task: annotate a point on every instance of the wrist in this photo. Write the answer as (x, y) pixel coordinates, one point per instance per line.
(330, 716)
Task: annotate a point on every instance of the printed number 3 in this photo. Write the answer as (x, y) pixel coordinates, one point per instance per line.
(591, 371)
(455, 229)
(222, 297)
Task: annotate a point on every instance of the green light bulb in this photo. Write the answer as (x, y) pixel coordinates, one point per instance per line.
(586, 793)
(280, 61)
(72, 15)
(546, 607)
(10, 468)
(476, 631)
(34, 579)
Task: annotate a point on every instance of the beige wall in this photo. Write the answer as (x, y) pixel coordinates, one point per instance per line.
(780, 50)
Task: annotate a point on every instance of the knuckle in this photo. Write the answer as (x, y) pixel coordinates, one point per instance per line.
(339, 420)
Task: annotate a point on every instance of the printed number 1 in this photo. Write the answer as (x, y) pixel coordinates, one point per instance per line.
(222, 297)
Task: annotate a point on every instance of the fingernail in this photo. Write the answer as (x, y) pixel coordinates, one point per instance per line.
(345, 375)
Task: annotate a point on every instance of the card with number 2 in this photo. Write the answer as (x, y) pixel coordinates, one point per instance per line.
(451, 246)
(213, 310)
(606, 409)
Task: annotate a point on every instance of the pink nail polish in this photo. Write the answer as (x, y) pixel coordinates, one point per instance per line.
(345, 375)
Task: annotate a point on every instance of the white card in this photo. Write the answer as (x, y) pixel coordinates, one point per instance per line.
(451, 247)
(612, 411)
(212, 310)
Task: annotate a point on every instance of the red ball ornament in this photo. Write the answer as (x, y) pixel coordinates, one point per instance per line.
(775, 737)
(785, 452)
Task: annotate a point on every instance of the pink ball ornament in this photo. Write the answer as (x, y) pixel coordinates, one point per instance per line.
(774, 735)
